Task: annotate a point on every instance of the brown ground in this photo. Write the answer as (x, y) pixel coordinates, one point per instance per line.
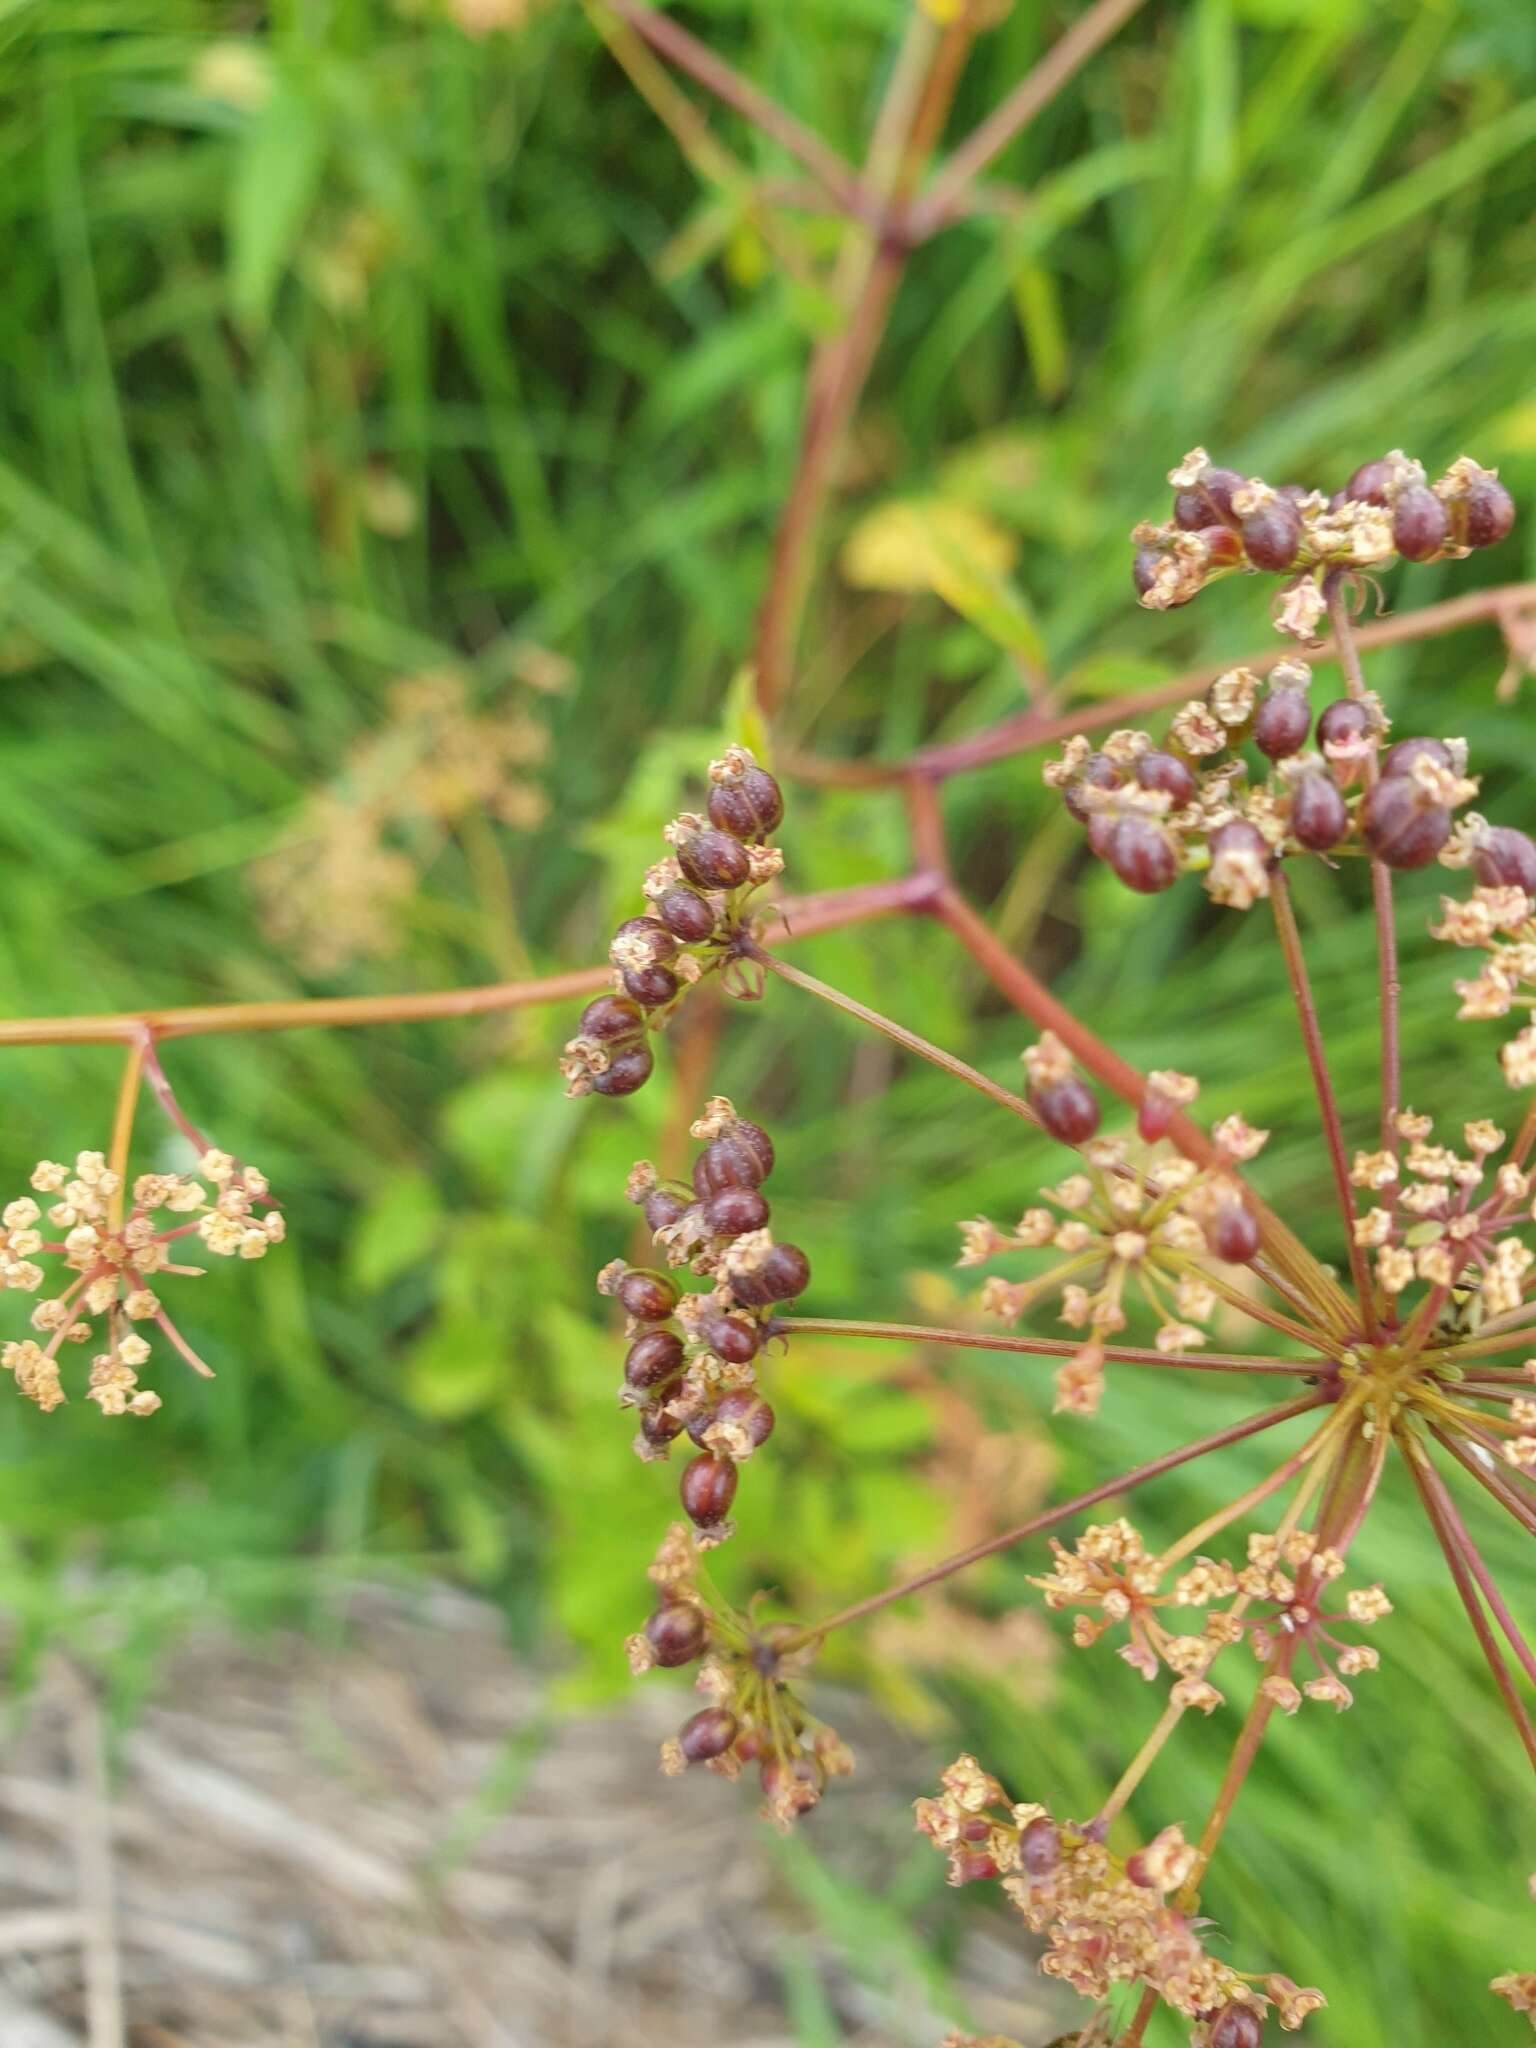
(406, 1845)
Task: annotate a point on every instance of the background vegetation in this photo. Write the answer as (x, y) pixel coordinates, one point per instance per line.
(347, 347)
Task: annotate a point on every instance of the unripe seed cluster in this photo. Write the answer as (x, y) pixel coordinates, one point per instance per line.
(698, 901)
(691, 1366)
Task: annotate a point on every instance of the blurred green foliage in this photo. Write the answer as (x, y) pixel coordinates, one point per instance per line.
(344, 346)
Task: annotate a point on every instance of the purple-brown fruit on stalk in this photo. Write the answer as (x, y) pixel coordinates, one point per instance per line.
(1068, 1109)
(1154, 1116)
(785, 1272)
(677, 1633)
(707, 1734)
(611, 1019)
(641, 939)
(1400, 825)
(1175, 778)
(1194, 506)
(746, 1411)
(1342, 722)
(1506, 859)
(1368, 485)
(740, 1157)
(648, 1296)
(747, 807)
(797, 1781)
(1236, 2026)
(1039, 1846)
(1234, 1234)
(1272, 535)
(651, 987)
(732, 1338)
(652, 1358)
(1144, 565)
(1098, 772)
(1488, 512)
(1419, 524)
(1282, 722)
(686, 914)
(1319, 814)
(625, 1072)
(1142, 855)
(662, 1207)
(735, 1211)
(1401, 755)
(659, 1426)
(708, 1487)
(1222, 546)
(714, 860)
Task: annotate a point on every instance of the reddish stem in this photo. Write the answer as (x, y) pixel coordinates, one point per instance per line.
(1051, 1347)
(1474, 1561)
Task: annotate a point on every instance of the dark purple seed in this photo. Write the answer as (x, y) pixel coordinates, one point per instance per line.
(1506, 859)
(1342, 722)
(686, 914)
(1068, 1108)
(1488, 513)
(1400, 757)
(1234, 1234)
(1144, 568)
(801, 1778)
(1368, 485)
(648, 1297)
(626, 1071)
(973, 1866)
(653, 1358)
(662, 1207)
(1319, 814)
(659, 1426)
(1101, 831)
(1293, 493)
(651, 987)
(1419, 524)
(1168, 773)
(1272, 535)
(732, 1338)
(1099, 772)
(714, 860)
(1142, 855)
(1281, 723)
(677, 1633)
(641, 937)
(785, 1272)
(1222, 546)
(735, 1211)
(707, 1490)
(1194, 506)
(748, 808)
(1400, 826)
(748, 1412)
(1154, 1116)
(740, 1157)
(1040, 1846)
(709, 1733)
(611, 1018)
(1236, 2026)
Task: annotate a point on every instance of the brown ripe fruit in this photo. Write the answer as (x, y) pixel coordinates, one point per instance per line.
(1040, 1846)
(1343, 721)
(1281, 723)
(652, 1358)
(1368, 485)
(1068, 1109)
(645, 940)
(1207, 502)
(647, 1296)
(733, 1338)
(663, 1206)
(707, 1734)
(626, 1071)
(1402, 754)
(748, 808)
(707, 1490)
(1319, 814)
(735, 1211)
(1175, 778)
(1399, 824)
(740, 1157)
(1142, 855)
(686, 914)
(714, 860)
(1236, 2026)
(1099, 772)
(793, 1782)
(1420, 524)
(1488, 513)
(748, 1412)
(1234, 1234)
(611, 1019)
(651, 987)
(1222, 546)
(677, 1633)
(659, 1426)
(1272, 535)
(1506, 859)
